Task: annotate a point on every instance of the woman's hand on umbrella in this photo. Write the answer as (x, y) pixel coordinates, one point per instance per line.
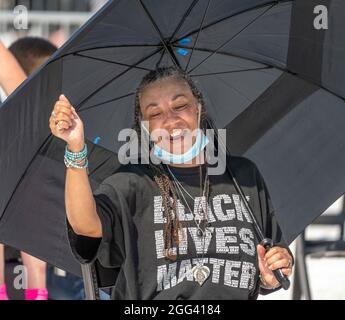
(67, 125)
(273, 259)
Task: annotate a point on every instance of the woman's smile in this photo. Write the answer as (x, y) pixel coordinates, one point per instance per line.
(176, 134)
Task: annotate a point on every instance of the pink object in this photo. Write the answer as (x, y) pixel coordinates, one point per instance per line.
(36, 294)
(3, 293)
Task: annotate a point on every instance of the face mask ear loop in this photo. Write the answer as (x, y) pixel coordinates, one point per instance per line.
(199, 116)
(199, 124)
(147, 132)
(144, 128)
(199, 119)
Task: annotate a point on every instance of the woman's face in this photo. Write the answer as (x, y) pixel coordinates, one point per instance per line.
(171, 111)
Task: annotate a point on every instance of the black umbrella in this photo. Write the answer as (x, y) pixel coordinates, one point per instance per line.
(269, 76)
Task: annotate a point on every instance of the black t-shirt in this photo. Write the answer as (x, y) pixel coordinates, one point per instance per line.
(130, 207)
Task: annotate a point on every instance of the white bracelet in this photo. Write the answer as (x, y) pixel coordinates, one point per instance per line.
(264, 284)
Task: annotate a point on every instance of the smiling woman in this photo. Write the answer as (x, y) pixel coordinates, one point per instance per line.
(173, 109)
(174, 230)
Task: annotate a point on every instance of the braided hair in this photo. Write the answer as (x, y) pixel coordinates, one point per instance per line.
(167, 190)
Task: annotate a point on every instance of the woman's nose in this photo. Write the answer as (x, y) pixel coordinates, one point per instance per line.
(170, 116)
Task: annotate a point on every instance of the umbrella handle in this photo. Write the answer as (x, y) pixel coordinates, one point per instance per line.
(280, 276)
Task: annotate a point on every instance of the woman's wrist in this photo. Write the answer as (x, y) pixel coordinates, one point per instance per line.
(265, 285)
(76, 147)
(76, 159)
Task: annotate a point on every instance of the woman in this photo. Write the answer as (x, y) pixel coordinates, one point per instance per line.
(173, 231)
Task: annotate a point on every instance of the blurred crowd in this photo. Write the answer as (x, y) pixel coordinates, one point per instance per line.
(17, 62)
(54, 5)
(57, 31)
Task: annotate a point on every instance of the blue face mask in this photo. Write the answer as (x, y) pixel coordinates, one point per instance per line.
(199, 145)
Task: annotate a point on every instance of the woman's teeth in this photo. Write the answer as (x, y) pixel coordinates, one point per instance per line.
(176, 134)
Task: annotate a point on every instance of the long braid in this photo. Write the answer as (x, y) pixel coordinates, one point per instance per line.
(172, 226)
(169, 199)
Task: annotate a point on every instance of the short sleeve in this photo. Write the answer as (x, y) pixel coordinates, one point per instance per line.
(109, 249)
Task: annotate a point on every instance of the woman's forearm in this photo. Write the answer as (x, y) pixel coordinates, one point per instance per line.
(11, 73)
(66, 124)
(80, 204)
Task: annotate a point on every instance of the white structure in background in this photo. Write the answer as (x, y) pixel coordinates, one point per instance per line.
(42, 24)
(97, 4)
(57, 26)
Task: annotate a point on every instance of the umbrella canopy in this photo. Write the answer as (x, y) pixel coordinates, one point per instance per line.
(271, 78)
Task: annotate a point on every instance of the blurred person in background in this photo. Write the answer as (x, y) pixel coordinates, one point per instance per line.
(23, 58)
(18, 62)
(97, 4)
(55, 5)
(11, 74)
(31, 53)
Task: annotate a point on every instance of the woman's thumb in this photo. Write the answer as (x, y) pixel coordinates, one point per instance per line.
(261, 251)
(74, 113)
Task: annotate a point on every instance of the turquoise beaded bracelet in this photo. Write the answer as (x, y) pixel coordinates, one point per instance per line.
(75, 159)
(75, 156)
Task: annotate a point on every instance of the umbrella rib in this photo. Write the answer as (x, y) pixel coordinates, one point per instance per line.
(228, 54)
(107, 101)
(118, 46)
(160, 59)
(274, 2)
(233, 37)
(233, 71)
(197, 36)
(278, 68)
(117, 76)
(171, 54)
(103, 47)
(112, 62)
(187, 13)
